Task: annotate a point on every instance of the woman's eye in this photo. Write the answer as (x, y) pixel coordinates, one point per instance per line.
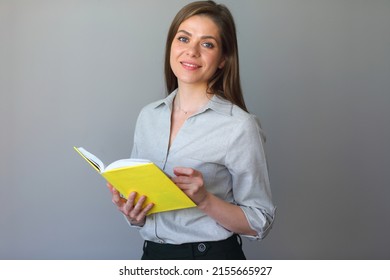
(208, 45)
(183, 39)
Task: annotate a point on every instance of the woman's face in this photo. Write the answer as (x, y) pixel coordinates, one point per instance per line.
(196, 51)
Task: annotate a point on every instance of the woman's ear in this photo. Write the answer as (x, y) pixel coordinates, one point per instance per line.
(222, 63)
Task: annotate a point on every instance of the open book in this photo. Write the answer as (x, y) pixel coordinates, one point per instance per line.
(143, 177)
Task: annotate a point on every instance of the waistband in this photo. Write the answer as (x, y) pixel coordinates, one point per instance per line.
(193, 249)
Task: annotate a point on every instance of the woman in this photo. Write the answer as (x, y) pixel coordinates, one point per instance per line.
(202, 135)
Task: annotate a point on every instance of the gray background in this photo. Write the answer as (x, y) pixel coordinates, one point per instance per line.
(317, 73)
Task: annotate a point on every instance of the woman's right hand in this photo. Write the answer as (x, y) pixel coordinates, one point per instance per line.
(134, 212)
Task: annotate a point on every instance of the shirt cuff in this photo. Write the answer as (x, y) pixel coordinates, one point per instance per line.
(130, 224)
(254, 216)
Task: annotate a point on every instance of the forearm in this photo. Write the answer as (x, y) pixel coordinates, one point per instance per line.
(228, 215)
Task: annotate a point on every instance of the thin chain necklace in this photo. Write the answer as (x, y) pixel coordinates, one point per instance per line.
(181, 109)
(178, 104)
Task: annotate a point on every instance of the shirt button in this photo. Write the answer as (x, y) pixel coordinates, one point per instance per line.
(201, 247)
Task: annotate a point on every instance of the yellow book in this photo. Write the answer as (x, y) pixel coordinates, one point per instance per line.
(143, 177)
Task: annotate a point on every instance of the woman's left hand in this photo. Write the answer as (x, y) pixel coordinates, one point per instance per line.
(228, 215)
(190, 181)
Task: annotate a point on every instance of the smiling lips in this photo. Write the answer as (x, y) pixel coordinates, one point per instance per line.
(190, 66)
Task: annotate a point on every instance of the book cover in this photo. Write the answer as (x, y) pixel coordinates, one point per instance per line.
(143, 177)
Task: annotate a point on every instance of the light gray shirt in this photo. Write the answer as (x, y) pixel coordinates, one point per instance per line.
(225, 144)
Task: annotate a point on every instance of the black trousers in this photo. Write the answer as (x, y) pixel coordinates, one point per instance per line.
(228, 249)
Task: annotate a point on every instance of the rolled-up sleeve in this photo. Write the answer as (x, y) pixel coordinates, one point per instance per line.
(247, 164)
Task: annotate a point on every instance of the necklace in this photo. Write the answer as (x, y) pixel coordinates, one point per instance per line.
(178, 104)
(184, 111)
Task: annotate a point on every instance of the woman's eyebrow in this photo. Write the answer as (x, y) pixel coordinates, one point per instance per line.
(202, 37)
(185, 32)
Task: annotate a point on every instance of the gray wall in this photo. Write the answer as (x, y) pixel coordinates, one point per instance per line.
(317, 73)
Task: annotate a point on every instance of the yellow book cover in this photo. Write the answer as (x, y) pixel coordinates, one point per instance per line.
(143, 177)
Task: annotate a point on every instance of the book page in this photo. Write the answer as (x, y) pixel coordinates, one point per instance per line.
(92, 159)
(126, 163)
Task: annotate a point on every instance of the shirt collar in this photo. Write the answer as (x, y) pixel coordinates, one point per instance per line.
(220, 105)
(168, 101)
(216, 103)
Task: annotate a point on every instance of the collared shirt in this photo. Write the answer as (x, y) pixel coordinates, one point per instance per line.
(225, 144)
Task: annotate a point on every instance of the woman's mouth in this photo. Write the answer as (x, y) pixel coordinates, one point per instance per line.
(190, 66)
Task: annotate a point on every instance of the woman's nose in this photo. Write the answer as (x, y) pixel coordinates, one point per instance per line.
(193, 50)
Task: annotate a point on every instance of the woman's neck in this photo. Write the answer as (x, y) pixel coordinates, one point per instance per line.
(191, 98)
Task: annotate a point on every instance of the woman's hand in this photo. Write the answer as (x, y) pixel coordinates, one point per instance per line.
(134, 212)
(190, 181)
(228, 215)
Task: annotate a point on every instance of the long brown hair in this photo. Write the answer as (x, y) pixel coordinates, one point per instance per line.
(226, 81)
